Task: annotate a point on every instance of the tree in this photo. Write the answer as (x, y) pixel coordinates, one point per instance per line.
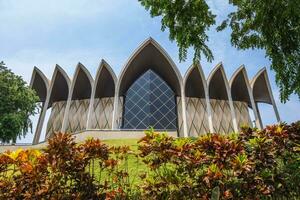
(272, 25)
(17, 103)
(188, 21)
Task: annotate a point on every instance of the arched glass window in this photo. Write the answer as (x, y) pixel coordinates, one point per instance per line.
(150, 102)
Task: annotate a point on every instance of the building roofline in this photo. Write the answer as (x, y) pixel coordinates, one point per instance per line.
(57, 70)
(189, 71)
(138, 51)
(103, 64)
(239, 70)
(35, 71)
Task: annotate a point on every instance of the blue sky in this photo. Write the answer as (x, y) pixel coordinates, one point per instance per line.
(42, 33)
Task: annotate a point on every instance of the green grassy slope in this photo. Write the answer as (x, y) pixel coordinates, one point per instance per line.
(121, 142)
(133, 165)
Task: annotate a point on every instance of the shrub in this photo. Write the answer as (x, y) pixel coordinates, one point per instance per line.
(62, 171)
(254, 164)
(251, 165)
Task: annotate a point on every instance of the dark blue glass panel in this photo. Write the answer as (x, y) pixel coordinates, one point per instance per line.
(150, 102)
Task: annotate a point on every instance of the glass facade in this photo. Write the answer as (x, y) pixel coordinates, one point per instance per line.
(150, 102)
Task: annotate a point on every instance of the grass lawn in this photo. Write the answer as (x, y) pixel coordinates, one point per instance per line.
(133, 165)
(121, 142)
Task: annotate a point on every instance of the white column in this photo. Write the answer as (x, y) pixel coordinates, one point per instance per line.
(91, 106)
(116, 105)
(276, 112)
(258, 122)
(183, 103)
(41, 120)
(66, 114)
(235, 126)
(209, 114)
(259, 117)
(272, 97)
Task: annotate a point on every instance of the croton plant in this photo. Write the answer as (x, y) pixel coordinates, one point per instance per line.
(252, 164)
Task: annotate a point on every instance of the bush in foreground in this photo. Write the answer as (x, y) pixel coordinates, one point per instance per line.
(253, 164)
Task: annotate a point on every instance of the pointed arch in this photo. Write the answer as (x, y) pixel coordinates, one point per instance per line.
(82, 83)
(77, 108)
(241, 96)
(194, 82)
(259, 84)
(197, 104)
(217, 83)
(262, 92)
(239, 86)
(149, 55)
(40, 83)
(57, 100)
(102, 101)
(223, 114)
(105, 81)
(59, 87)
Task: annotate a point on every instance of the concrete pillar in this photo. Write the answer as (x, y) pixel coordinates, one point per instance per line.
(183, 103)
(41, 120)
(115, 112)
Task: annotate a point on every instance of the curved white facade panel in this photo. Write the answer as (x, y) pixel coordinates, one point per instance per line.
(150, 92)
(198, 111)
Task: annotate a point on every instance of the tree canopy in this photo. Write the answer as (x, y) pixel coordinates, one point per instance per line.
(187, 21)
(17, 103)
(272, 25)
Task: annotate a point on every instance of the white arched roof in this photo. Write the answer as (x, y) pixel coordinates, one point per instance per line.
(149, 55)
(82, 83)
(60, 86)
(260, 87)
(218, 87)
(194, 82)
(105, 81)
(239, 85)
(40, 83)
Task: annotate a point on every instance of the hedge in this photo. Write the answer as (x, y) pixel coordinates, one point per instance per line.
(252, 164)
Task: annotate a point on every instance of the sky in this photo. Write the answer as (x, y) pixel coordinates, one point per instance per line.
(43, 33)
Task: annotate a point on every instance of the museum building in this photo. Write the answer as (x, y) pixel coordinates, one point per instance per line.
(150, 92)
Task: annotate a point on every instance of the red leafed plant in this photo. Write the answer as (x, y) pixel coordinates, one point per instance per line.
(61, 171)
(253, 164)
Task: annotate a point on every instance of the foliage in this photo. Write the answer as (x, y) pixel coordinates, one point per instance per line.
(270, 25)
(187, 21)
(254, 164)
(17, 103)
(63, 171)
(275, 27)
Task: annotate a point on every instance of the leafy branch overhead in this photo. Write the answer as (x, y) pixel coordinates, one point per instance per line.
(187, 21)
(270, 25)
(275, 27)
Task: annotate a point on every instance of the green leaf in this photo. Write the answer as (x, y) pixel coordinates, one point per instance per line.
(187, 22)
(17, 104)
